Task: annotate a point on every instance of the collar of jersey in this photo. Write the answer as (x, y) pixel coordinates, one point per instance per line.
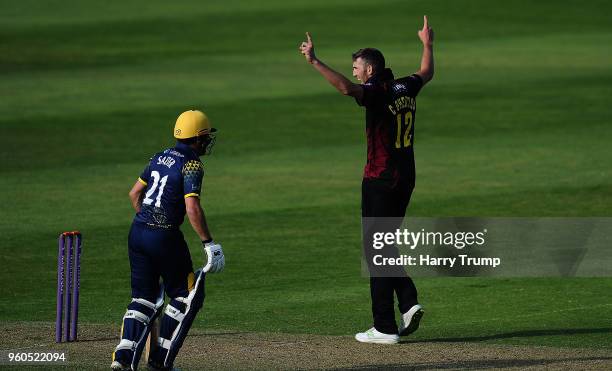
(185, 148)
(384, 75)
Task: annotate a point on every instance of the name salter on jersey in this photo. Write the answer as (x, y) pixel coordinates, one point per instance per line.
(390, 116)
(170, 177)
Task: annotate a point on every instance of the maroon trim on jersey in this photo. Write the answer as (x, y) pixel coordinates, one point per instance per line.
(383, 160)
(378, 142)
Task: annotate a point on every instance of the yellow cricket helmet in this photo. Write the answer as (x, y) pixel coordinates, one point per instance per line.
(192, 123)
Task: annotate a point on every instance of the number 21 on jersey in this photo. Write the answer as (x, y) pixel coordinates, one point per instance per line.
(156, 181)
(404, 126)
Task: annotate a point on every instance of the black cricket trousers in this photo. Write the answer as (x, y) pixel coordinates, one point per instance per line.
(384, 199)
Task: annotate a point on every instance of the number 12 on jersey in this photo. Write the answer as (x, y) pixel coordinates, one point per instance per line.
(404, 126)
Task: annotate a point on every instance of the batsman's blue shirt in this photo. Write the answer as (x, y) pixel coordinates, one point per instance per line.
(171, 176)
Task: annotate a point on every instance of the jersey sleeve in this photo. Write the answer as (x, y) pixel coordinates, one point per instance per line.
(144, 176)
(193, 173)
(372, 95)
(413, 83)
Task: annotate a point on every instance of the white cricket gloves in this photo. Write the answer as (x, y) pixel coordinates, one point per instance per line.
(216, 259)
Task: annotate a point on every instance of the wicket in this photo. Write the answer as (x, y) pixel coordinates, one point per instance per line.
(68, 286)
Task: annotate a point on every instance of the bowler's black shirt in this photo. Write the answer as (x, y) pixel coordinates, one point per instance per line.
(390, 116)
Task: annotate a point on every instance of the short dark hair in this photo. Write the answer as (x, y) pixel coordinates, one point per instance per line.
(188, 141)
(372, 57)
(192, 140)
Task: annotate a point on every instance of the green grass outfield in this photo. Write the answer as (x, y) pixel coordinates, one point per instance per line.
(516, 123)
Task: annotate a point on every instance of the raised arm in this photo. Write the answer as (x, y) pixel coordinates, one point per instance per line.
(336, 79)
(427, 60)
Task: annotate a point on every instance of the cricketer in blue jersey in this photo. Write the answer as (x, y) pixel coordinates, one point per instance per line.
(168, 188)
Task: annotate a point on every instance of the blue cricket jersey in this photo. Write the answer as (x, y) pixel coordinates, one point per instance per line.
(171, 176)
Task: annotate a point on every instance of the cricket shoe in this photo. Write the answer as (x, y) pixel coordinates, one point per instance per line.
(375, 336)
(154, 366)
(118, 366)
(410, 320)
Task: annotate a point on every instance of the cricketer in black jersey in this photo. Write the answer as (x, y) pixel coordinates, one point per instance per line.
(389, 174)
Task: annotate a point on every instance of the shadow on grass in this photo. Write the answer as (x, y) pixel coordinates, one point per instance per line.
(204, 334)
(516, 334)
(480, 364)
(196, 334)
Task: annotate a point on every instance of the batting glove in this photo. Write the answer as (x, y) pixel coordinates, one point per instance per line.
(216, 259)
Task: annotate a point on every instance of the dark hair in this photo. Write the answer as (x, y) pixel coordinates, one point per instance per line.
(193, 140)
(372, 57)
(188, 141)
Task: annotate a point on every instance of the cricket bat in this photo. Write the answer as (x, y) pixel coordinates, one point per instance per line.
(151, 343)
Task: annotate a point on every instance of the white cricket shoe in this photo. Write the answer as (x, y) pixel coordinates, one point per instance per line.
(410, 320)
(118, 366)
(375, 336)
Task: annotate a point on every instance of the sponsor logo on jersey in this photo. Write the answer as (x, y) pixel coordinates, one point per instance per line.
(172, 152)
(398, 88)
